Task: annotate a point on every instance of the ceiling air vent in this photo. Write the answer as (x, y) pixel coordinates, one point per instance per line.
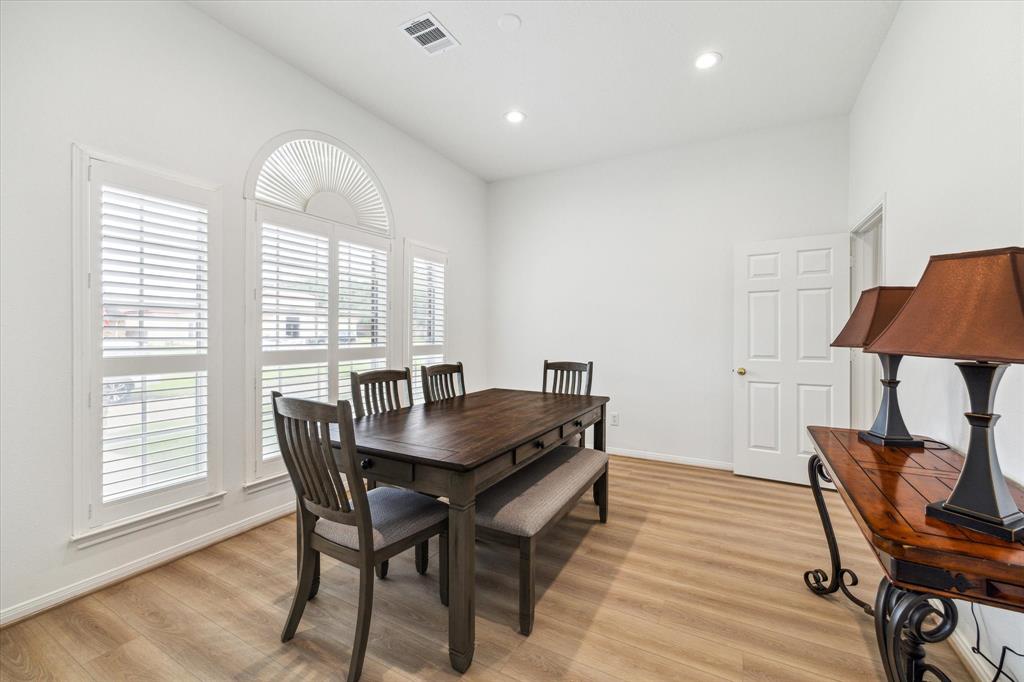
(429, 34)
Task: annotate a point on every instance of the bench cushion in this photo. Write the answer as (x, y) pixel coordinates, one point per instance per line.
(396, 514)
(527, 500)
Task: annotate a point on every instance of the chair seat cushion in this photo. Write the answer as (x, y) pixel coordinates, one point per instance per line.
(526, 501)
(396, 514)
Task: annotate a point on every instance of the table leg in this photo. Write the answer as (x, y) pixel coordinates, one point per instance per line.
(599, 432)
(900, 628)
(817, 580)
(461, 571)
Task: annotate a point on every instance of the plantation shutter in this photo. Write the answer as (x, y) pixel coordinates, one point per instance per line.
(426, 312)
(154, 338)
(316, 276)
(362, 310)
(295, 307)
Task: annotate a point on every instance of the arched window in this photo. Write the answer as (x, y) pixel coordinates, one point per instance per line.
(315, 174)
(321, 267)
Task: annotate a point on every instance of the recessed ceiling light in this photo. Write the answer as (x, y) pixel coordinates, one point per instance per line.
(509, 22)
(708, 60)
(515, 116)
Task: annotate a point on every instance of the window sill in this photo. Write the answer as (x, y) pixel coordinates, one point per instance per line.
(116, 529)
(264, 483)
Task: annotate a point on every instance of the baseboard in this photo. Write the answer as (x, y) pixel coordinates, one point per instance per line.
(675, 459)
(81, 588)
(973, 662)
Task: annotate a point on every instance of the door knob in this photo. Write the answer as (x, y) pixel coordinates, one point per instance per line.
(741, 371)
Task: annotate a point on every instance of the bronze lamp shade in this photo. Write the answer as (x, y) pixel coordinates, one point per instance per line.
(970, 307)
(875, 309)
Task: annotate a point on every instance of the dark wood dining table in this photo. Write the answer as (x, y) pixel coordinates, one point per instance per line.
(460, 447)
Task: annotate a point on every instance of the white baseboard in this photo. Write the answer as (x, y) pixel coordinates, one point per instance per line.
(675, 459)
(975, 665)
(30, 607)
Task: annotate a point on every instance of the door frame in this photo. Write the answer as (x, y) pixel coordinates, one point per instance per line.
(865, 375)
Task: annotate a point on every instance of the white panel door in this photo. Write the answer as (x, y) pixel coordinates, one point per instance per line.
(791, 297)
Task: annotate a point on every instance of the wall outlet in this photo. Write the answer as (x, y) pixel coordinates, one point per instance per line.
(615, 418)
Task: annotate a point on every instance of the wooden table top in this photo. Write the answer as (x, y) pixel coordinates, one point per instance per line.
(465, 432)
(887, 490)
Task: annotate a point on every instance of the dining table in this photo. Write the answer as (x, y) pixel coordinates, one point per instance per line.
(458, 448)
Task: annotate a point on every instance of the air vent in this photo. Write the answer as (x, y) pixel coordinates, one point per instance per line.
(429, 34)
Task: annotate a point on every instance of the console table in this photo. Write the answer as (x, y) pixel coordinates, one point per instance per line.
(927, 563)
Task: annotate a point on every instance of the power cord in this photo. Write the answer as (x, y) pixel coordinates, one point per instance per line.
(1002, 656)
(940, 445)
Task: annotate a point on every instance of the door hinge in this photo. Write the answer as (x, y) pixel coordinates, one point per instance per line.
(88, 280)
(255, 293)
(88, 399)
(90, 511)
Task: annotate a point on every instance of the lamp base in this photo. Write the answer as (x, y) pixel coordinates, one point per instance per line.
(889, 428)
(890, 442)
(1012, 531)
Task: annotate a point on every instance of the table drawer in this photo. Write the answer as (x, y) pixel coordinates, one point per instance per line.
(529, 449)
(580, 423)
(385, 469)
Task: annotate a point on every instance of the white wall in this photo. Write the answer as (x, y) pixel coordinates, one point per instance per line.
(937, 130)
(629, 263)
(165, 85)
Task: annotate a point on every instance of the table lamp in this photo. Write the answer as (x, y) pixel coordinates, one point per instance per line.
(874, 311)
(970, 307)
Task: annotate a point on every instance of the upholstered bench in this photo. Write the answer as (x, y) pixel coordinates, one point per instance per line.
(528, 503)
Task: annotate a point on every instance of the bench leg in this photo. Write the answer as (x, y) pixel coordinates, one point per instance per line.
(526, 585)
(601, 495)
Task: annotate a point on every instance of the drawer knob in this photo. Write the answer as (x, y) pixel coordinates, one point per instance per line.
(578, 422)
(366, 464)
(539, 444)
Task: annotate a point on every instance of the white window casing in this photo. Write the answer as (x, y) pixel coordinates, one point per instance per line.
(147, 345)
(319, 269)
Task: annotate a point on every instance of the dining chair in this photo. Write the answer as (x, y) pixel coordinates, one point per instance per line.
(336, 515)
(378, 390)
(570, 378)
(373, 392)
(439, 382)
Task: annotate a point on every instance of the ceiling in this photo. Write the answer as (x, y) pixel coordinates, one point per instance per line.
(596, 79)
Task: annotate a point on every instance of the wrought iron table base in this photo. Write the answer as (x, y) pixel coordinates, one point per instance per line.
(817, 580)
(903, 627)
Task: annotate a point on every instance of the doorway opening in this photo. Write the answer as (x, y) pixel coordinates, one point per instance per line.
(867, 269)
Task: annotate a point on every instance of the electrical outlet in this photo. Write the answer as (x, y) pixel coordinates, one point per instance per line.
(615, 418)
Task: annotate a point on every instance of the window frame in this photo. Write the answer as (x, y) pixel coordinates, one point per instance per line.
(95, 520)
(413, 250)
(260, 473)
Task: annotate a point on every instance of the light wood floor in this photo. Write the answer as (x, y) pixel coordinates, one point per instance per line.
(697, 576)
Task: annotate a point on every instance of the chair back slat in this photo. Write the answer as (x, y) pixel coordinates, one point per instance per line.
(441, 382)
(569, 378)
(378, 390)
(326, 479)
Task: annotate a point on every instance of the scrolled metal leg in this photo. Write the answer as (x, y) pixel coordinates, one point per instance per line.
(902, 627)
(817, 580)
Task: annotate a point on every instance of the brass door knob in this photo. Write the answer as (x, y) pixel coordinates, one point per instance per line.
(741, 371)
